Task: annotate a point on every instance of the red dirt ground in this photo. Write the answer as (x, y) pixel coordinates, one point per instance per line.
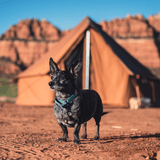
(31, 133)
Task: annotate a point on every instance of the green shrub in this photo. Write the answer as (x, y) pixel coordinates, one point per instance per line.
(7, 88)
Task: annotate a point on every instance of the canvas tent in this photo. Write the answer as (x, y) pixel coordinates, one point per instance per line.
(113, 72)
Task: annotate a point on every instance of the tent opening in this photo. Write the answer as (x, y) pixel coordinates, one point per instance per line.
(77, 53)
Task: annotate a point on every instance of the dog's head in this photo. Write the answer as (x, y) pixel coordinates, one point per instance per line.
(63, 80)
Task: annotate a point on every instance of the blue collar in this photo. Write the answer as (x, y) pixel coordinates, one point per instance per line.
(62, 103)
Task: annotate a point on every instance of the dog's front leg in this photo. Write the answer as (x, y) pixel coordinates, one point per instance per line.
(65, 133)
(76, 133)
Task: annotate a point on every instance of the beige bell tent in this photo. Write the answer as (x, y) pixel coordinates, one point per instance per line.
(113, 72)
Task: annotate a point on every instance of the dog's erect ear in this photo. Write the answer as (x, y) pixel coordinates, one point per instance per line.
(53, 66)
(75, 67)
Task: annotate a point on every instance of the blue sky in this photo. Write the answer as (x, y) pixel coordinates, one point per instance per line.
(65, 14)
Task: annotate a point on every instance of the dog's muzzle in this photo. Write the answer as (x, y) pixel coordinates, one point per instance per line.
(51, 83)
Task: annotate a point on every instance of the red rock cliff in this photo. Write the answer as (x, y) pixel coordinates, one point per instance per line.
(139, 36)
(25, 42)
(32, 29)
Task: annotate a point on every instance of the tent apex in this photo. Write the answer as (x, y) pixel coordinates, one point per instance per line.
(88, 19)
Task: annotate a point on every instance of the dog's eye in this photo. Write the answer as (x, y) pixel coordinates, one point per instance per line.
(62, 80)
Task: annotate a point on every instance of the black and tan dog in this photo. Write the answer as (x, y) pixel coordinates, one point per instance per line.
(72, 107)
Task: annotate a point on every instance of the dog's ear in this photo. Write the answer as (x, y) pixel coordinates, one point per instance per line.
(53, 66)
(75, 67)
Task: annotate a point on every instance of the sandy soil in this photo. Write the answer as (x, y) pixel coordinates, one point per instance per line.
(31, 133)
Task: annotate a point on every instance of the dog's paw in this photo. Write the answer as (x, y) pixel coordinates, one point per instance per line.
(84, 136)
(62, 139)
(96, 138)
(77, 141)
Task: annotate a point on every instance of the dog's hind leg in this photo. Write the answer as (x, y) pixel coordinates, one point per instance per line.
(84, 130)
(96, 137)
(65, 133)
(97, 118)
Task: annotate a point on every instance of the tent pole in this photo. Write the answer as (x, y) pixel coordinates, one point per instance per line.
(153, 92)
(87, 59)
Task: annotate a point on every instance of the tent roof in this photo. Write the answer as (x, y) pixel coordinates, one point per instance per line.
(41, 66)
(130, 62)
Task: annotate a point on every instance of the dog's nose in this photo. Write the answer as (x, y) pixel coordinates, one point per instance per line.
(50, 83)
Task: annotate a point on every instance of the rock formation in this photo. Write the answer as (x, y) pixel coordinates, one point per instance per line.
(25, 42)
(129, 27)
(32, 29)
(154, 21)
(139, 36)
(7, 67)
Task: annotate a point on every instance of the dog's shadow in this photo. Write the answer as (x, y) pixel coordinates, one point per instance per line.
(111, 139)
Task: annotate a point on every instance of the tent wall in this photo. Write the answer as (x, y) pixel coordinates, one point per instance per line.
(34, 91)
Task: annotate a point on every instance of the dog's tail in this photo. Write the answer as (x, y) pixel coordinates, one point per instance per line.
(104, 113)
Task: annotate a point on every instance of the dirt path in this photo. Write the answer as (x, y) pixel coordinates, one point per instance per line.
(31, 133)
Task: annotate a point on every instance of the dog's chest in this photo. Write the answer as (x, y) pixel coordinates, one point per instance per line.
(67, 116)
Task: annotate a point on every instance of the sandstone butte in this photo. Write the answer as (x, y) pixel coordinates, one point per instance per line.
(139, 36)
(25, 42)
(22, 44)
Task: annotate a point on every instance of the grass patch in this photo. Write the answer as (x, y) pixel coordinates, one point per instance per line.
(7, 88)
(2, 80)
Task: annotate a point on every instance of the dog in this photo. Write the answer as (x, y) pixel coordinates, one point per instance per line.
(73, 107)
